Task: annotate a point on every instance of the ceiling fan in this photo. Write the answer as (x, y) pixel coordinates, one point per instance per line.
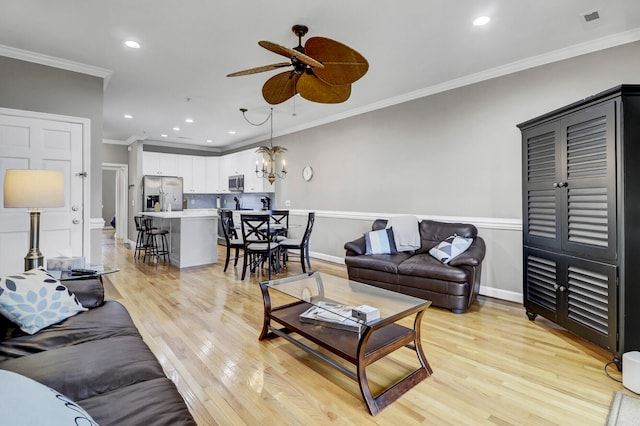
(323, 70)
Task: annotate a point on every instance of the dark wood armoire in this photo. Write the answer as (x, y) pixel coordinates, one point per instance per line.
(581, 218)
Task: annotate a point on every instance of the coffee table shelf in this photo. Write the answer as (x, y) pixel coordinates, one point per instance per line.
(340, 342)
(374, 341)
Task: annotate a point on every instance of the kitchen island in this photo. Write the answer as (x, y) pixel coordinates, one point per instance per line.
(193, 235)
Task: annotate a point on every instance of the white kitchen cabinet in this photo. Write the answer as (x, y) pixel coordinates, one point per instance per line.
(213, 175)
(159, 163)
(253, 183)
(168, 164)
(150, 163)
(192, 169)
(185, 170)
(199, 171)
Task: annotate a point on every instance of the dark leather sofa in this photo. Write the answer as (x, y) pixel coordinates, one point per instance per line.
(452, 286)
(98, 359)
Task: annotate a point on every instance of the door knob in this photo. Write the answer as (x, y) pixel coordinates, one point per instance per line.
(75, 208)
(75, 221)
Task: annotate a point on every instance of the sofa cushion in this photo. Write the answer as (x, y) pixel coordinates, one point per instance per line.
(379, 262)
(432, 233)
(109, 320)
(92, 368)
(155, 401)
(24, 401)
(449, 249)
(425, 265)
(35, 300)
(380, 242)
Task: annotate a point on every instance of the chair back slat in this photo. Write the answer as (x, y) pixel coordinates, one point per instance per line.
(255, 228)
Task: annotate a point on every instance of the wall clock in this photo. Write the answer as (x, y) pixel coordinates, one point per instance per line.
(307, 173)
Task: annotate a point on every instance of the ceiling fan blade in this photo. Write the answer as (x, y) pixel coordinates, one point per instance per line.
(313, 89)
(342, 64)
(280, 87)
(259, 69)
(290, 53)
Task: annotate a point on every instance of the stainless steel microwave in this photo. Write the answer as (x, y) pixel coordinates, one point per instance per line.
(236, 183)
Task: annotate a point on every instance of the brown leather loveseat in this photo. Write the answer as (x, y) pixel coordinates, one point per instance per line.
(417, 273)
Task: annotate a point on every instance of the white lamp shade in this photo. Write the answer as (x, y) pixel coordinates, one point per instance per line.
(33, 188)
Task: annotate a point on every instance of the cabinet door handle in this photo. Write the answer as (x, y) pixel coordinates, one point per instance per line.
(556, 184)
(563, 289)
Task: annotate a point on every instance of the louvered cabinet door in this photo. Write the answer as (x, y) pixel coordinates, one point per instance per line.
(542, 271)
(577, 294)
(589, 182)
(541, 197)
(591, 301)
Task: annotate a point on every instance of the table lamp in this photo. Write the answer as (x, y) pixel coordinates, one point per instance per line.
(33, 189)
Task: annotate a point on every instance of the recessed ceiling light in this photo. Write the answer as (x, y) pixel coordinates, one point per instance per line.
(209, 141)
(232, 132)
(188, 120)
(129, 116)
(132, 44)
(481, 20)
(177, 129)
(164, 135)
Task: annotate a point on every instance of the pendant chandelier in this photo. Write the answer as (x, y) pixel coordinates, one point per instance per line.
(270, 153)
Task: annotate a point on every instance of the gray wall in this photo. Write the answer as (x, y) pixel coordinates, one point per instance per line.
(34, 87)
(452, 155)
(115, 154)
(108, 196)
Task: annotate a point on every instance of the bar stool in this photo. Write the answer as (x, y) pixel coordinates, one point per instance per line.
(141, 239)
(155, 248)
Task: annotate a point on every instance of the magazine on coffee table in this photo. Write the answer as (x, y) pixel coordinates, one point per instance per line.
(333, 315)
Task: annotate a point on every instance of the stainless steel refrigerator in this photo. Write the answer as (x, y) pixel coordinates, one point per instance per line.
(164, 190)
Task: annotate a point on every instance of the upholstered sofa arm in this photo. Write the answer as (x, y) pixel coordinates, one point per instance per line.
(356, 247)
(473, 256)
(89, 291)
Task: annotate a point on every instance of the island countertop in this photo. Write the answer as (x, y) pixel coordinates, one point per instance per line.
(183, 214)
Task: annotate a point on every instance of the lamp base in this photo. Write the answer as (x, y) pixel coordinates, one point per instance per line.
(33, 260)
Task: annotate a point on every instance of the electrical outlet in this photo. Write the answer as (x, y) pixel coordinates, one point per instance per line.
(287, 203)
(193, 201)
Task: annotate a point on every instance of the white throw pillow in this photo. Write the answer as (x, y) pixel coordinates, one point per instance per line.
(450, 248)
(24, 401)
(35, 300)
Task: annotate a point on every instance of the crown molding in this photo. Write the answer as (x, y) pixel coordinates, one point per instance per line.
(51, 61)
(513, 67)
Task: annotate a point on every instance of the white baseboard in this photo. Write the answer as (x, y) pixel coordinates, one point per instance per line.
(497, 293)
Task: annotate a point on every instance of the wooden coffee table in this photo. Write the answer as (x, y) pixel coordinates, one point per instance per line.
(375, 340)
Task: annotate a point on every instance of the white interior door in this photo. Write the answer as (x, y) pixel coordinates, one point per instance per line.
(35, 143)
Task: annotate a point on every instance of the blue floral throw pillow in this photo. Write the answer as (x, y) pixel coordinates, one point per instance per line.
(35, 300)
(380, 242)
(450, 248)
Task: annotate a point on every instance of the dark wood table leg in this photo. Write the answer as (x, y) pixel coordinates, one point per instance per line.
(377, 403)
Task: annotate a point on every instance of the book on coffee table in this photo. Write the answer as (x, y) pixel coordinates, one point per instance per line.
(332, 315)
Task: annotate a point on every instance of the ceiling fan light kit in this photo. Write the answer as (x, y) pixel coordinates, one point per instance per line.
(322, 71)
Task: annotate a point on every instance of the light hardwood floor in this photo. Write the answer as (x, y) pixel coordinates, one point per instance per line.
(491, 365)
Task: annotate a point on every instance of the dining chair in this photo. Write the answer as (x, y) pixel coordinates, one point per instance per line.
(280, 221)
(301, 244)
(230, 237)
(258, 246)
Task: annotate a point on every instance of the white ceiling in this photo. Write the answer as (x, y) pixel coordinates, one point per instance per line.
(414, 48)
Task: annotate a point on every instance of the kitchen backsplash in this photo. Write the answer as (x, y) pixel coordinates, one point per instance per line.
(209, 201)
